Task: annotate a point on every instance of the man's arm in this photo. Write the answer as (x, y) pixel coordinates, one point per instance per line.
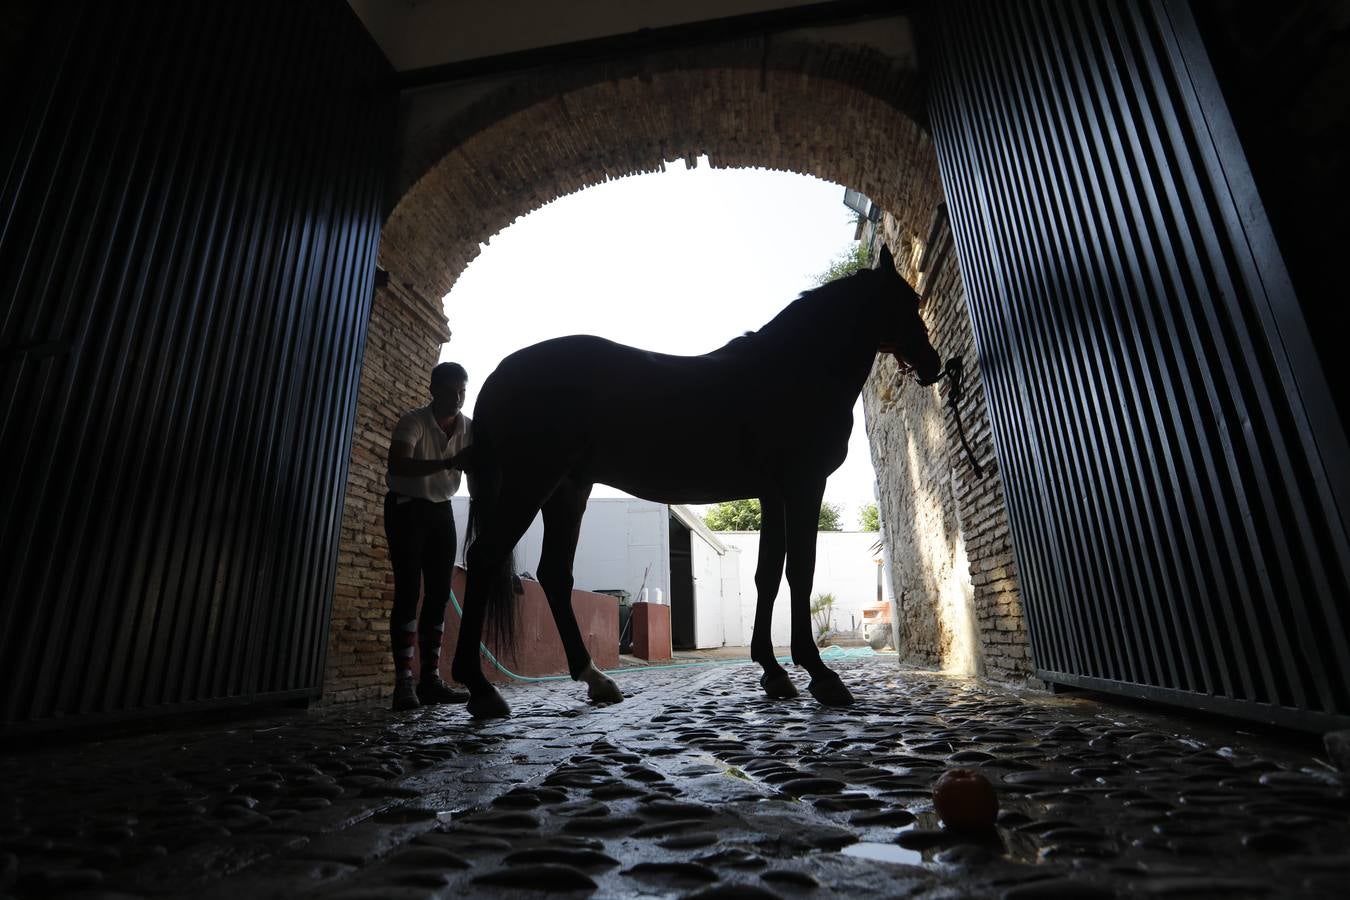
(402, 464)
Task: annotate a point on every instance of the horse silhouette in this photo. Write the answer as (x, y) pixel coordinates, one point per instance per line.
(768, 415)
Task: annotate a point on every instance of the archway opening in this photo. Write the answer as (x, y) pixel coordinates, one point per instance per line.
(842, 114)
(678, 262)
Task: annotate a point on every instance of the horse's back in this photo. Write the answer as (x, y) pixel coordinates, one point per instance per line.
(579, 359)
(675, 429)
(591, 379)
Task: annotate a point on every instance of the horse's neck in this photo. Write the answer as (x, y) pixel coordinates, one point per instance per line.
(829, 333)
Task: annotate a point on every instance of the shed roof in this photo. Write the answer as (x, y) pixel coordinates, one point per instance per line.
(691, 520)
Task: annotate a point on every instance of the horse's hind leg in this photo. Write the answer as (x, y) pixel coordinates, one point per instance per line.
(803, 517)
(562, 529)
(513, 511)
(768, 573)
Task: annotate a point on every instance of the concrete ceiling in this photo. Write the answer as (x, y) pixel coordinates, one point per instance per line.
(416, 34)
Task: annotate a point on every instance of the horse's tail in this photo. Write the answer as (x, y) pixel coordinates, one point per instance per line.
(498, 582)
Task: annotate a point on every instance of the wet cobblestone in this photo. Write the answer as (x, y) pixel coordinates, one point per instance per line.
(696, 785)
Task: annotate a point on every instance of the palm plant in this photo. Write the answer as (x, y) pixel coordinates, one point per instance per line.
(822, 614)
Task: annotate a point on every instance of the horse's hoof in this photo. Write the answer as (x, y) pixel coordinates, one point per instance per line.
(829, 690)
(778, 686)
(486, 703)
(600, 688)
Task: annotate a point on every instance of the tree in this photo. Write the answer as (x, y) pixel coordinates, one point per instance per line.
(746, 515)
(849, 260)
(870, 517)
(734, 515)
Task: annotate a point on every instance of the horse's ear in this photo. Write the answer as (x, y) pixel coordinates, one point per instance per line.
(886, 264)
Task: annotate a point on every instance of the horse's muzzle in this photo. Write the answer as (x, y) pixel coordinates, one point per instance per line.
(930, 371)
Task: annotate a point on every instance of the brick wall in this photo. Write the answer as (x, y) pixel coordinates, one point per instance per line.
(952, 565)
(847, 114)
(403, 344)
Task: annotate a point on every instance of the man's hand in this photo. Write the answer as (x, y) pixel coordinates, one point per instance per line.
(463, 460)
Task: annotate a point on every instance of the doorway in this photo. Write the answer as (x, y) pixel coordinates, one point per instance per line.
(681, 587)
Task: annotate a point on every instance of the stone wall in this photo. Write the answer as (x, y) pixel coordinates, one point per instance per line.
(403, 343)
(952, 567)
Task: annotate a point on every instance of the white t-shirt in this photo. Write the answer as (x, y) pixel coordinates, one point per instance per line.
(420, 429)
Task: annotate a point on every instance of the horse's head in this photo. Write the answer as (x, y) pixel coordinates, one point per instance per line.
(903, 333)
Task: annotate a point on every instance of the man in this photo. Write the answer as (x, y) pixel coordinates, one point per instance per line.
(421, 530)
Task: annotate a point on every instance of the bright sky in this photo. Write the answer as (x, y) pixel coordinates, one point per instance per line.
(679, 262)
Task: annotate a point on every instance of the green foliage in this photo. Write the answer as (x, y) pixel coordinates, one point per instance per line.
(746, 515)
(870, 517)
(829, 517)
(734, 515)
(822, 613)
(848, 261)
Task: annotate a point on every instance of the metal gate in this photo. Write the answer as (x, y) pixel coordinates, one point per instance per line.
(1174, 467)
(189, 210)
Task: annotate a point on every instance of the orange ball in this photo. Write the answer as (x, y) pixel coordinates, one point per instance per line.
(965, 800)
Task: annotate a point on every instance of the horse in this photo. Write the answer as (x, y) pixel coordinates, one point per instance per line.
(766, 416)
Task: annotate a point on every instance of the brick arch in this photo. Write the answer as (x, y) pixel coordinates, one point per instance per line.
(844, 114)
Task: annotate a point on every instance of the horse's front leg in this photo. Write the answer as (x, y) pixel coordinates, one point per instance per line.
(768, 573)
(803, 519)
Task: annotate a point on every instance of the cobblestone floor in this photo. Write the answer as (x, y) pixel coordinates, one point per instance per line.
(694, 786)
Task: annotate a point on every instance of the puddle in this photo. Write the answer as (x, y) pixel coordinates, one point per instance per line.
(892, 853)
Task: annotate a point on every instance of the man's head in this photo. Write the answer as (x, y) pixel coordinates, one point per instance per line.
(447, 387)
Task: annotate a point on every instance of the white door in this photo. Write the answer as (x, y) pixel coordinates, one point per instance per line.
(707, 566)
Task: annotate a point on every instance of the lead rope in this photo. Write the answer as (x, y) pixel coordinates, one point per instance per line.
(955, 392)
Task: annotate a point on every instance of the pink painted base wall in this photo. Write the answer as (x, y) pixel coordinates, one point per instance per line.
(539, 650)
(651, 631)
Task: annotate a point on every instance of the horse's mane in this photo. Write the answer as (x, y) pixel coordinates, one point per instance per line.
(808, 320)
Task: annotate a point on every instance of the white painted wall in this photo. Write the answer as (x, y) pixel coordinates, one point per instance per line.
(620, 539)
(709, 612)
(845, 567)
